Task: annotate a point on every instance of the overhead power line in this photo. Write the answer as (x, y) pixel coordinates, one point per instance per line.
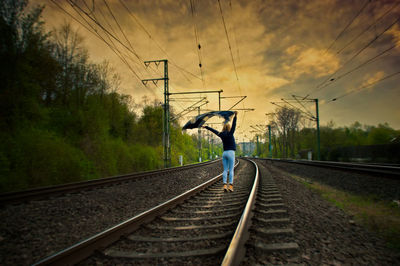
(122, 54)
(234, 33)
(373, 59)
(363, 87)
(366, 46)
(139, 63)
(132, 15)
(369, 27)
(119, 26)
(198, 45)
(348, 25)
(94, 32)
(229, 44)
(354, 56)
(104, 29)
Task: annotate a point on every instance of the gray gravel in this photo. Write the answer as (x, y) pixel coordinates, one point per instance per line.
(325, 234)
(35, 230)
(373, 185)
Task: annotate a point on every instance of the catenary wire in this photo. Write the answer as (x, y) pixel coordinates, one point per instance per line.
(119, 26)
(356, 54)
(140, 64)
(348, 25)
(369, 27)
(371, 60)
(182, 70)
(124, 55)
(366, 86)
(198, 45)
(233, 60)
(120, 54)
(229, 44)
(104, 29)
(94, 32)
(234, 34)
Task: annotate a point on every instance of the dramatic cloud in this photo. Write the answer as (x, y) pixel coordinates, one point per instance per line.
(279, 48)
(371, 79)
(311, 62)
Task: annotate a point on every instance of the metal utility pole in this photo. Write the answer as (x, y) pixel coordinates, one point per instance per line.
(166, 115)
(219, 101)
(258, 149)
(212, 146)
(300, 100)
(260, 130)
(269, 141)
(199, 137)
(318, 135)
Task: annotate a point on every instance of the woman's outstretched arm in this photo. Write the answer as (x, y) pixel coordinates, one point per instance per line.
(234, 123)
(211, 129)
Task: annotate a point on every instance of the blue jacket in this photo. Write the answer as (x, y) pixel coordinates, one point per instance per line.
(228, 140)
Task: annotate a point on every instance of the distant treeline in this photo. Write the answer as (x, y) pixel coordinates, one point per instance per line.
(61, 118)
(353, 143)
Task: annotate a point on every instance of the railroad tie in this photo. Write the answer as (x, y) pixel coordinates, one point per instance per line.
(179, 239)
(202, 218)
(190, 227)
(205, 211)
(139, 255)
(289, 246)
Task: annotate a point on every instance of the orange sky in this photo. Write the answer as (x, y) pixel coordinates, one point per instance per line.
(279, 48)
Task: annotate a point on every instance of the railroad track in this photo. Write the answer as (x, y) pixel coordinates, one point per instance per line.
(203, 226)
(52, 191)
(172, 231)
(391, 171)
(271, 237)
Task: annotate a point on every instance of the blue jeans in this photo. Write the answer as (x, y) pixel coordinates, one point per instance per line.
(228, 160)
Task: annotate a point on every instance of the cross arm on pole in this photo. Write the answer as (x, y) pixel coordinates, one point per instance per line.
(244, 109)
(195, 92)
(157, 62)
(189, 109)
(230, 97)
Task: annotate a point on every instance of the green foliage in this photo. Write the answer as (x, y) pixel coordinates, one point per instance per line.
(61, 118)
(355, 142)
(382, 134)
(35, 157)
(356, 135)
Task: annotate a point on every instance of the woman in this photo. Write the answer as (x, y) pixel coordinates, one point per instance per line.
(228, 156)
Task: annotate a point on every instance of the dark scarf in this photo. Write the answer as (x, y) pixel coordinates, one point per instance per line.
(199, 120)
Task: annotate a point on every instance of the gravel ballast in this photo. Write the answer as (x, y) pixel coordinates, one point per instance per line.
(32, 231)
(362, 184)
(325, 234)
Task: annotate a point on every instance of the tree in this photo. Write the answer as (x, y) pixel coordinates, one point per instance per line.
(383, 134)
(285, 122)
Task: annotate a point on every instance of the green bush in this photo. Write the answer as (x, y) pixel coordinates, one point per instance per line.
(35, 157)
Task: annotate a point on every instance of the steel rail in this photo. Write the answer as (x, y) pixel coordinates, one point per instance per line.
(44, 192)
(235, 251)
(388, 170)
(85, 248)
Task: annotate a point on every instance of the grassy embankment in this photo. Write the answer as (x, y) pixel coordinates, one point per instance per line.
(378, 216)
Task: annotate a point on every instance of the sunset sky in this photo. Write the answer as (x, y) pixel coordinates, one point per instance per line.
(278, 48)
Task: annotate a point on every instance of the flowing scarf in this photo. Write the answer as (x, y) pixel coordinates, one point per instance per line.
(199, 120)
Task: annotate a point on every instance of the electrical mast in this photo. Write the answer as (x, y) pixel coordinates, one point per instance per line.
(166, 115)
